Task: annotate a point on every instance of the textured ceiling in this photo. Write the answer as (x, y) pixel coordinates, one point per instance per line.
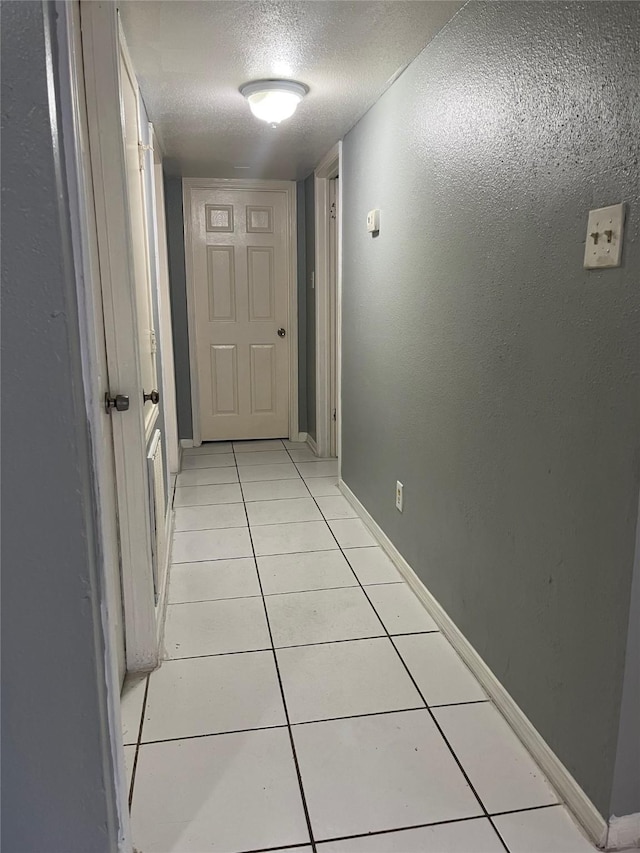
(191, 57)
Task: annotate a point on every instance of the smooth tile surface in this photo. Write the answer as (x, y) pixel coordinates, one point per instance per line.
(257, 446)
(400, 609)
(541, 830)
(438, 671)
(224, 793)
(320, 468)
(336, 506)
(207, 448)
(351, 533)
(298, 572)
(265, 457)
(358, 677)
(255, 473)
(193, 545)
(468, 836)
(301, 618)
(131, 702)
(207, 695)
(215, 627)
(207, 495)
(321, 486)
(381, 772)
(213, 579)
(499, 767)
(272, 490)
(207, 477)
(209, 460)
(210, 517)
(292, 538)
(372, 565)
(281, 512)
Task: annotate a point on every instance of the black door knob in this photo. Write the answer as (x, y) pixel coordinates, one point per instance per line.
(120, 403)
(152, 397)
(281, 333)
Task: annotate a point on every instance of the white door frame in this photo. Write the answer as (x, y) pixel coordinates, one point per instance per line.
(326, 356)
(106, 164)
(288, 187)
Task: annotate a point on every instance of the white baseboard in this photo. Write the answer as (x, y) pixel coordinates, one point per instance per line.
(186, 442)
(312, 444)
(302, 436)
(584, 811)
(624, 832)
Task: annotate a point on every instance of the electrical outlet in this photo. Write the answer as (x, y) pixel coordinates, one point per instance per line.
(399, 495)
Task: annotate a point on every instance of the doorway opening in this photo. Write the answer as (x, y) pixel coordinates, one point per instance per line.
(328, 244)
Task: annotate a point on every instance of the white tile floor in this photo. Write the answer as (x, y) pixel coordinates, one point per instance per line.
(307, 700)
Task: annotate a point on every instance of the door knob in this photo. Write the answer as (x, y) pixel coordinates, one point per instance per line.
(120, 403)
(281, 333)
(152, 397)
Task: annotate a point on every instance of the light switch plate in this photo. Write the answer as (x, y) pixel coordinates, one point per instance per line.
(603, 246)
(373, 221)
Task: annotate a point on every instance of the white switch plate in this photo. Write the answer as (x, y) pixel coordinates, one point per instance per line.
(603, 246)
(373, 221)
(399, 495)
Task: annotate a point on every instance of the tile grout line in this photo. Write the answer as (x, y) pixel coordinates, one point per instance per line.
(319, 643)
(284, 701)
(432, 715)
(138, 741)
(291, 592)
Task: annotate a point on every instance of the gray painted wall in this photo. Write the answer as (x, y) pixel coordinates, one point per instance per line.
(625, 797)
(486, 369)
(310, 261)
(178, 296)
(178, 286)
(57, 793)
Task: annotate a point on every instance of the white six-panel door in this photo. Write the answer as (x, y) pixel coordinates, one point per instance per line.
(240, 268)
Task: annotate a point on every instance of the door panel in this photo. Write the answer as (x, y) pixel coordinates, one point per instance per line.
(224, 380)
(221, 277)
(240, 264)
(263, 379)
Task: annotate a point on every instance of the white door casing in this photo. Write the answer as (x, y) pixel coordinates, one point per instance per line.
(241, 285)
(333, 314)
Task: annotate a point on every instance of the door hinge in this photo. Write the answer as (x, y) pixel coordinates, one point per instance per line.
(142, 150)
(153, 341)
(334, 415)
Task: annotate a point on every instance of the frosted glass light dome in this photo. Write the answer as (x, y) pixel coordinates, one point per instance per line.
(273, 101)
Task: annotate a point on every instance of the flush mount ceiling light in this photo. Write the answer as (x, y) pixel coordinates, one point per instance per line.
(273, 101)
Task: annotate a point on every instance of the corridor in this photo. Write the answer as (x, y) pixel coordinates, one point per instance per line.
(307, 700)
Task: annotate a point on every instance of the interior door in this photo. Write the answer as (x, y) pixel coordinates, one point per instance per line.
(240, 271)
(134, 159)
(111, 95)
(85, 247)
